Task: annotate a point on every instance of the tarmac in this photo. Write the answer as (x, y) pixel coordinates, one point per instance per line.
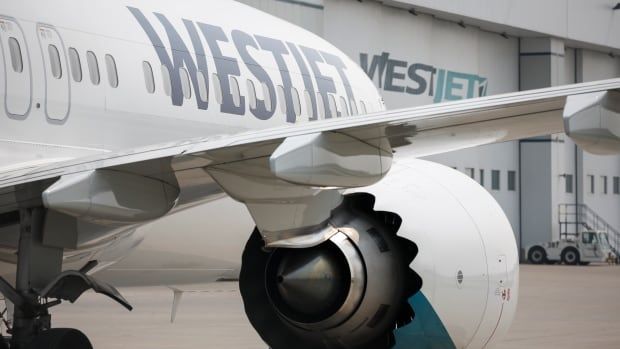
(559, 307)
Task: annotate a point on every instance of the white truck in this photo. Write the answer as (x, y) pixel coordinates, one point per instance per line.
(584, 248)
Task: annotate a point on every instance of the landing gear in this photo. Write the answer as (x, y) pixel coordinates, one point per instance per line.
(349, 292)
(40, 285)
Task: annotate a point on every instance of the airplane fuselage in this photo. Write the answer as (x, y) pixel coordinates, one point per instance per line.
(122, 76)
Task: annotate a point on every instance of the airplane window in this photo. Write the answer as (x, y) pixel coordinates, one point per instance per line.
(149, 80)
(266, 97)
(203, 90)
(343, 105)
(333, 108)
(296, 101)
(353, 107)
(16, 55)
(320, 106)
(308, 100)
(281, 100)
(165, 76)
(76, 65)
(112, 72)
(185, 87)
(218, 88)
(234, 90)
(54, 61)
(93, 67)
(363, 110)
(251, 94)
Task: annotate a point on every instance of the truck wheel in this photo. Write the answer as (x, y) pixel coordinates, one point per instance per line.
(570, 256)
(537, 255)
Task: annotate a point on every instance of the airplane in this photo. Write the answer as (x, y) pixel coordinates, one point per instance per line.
(119, 115)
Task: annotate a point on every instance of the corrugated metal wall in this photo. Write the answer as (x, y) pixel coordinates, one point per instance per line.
(306, 14)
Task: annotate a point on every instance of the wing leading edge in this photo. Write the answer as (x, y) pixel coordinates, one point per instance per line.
(589, 113)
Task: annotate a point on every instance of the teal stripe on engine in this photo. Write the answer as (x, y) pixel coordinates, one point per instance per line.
(426, 331)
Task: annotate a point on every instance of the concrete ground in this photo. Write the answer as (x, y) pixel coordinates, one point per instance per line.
(567, 307)
(559, 307)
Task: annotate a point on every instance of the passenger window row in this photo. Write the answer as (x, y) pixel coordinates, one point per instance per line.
(336, 108)
(17, 62)
(92, 63)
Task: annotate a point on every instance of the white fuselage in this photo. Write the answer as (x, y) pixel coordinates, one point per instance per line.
(228, 69)
(126, 74)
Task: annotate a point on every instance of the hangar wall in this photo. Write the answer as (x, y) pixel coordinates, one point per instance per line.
(591, 22)
(427, 60)
(307, 14)
(429, 57)
(595, 66)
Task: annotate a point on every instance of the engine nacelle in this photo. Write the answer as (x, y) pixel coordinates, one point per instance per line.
(467, 255)
(426, 258)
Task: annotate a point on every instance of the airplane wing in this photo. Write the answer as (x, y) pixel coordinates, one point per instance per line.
(348, 152)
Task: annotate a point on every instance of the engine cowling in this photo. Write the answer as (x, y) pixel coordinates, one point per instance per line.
(467, 258)
(426, 258)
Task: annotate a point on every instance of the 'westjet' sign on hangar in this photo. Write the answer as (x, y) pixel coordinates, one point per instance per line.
(422, 79)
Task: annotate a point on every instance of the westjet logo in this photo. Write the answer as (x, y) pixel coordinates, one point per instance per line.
(422, 79)
(193, 56)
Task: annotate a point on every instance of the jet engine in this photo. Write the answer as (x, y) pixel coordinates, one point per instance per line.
(424, 258)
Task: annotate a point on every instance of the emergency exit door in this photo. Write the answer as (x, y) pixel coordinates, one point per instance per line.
(57, 86)
(15, 73)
